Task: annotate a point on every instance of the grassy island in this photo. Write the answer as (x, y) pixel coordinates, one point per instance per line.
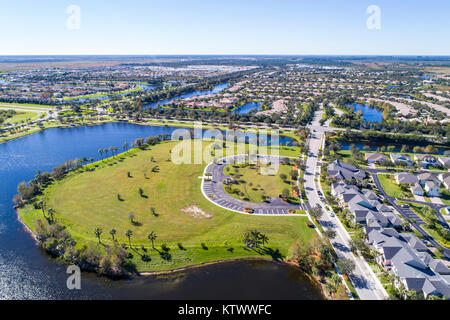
(142, 191)
(253, 186)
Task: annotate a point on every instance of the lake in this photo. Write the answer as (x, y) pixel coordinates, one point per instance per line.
(26, 272)
(218, 88)
(369, 114)
(249, 106)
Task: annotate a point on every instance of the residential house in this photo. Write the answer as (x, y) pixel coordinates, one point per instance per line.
(375, 158)
(425, 160)
(427, 176)
(406, 178)
(432, 189)
(404, 255)
(401, 159)
(417, 190)
(445, 161)
(445, 179)
(343, 171)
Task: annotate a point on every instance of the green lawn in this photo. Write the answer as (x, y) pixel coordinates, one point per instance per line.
(392, 188)
(85, 200)
(22, 116)
(253, 184)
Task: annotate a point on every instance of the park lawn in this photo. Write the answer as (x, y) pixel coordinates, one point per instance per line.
(392, 188)
(270, 185)
(85, 200)
(22, 116)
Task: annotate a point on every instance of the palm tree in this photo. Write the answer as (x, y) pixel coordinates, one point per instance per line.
(247, 238)
(125, 146)
(106, 152)
(128, 234)
(98, 232)
(101, 152)
(112, 232)
(263, 239)
(255, 237)
(152, 237)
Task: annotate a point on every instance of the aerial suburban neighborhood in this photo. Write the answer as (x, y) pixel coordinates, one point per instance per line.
(129, 174)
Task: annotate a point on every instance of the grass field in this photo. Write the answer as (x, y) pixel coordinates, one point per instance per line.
(22, 116)
(193, 228)
(253, 184)
(392, 188)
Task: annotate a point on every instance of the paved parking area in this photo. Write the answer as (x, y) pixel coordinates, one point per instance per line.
(214, 191)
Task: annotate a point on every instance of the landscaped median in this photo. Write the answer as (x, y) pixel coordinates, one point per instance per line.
(142, 191)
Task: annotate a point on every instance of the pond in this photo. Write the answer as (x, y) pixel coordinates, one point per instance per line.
(248, 107)
(218, 88)
(28, 273)
(368, 113)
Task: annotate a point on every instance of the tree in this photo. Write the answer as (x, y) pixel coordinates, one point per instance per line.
(125, 146)
(113, 232)
(100, 151)
(316, 212)
(345, 266)
(330, 233)
(98, 232)
(264, 239)
(131, 217)
(333, 283)
(303, 254)
(285, 194)
(152, 237)
(128, 234)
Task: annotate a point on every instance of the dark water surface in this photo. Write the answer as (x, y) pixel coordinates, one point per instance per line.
(28, 273)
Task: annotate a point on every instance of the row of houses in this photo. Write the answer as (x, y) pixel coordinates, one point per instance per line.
(406, 256)
(425, 160)
(424, 182)
(400, 253)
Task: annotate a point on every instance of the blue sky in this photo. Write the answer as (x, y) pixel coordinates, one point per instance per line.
(225, 27)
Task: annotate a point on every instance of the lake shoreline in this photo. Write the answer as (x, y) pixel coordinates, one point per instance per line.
(314, 282)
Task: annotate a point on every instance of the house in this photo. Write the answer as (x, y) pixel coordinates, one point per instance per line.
(417, 190)
(432, 189)
(407, 257)
(406, 178)
(401, 159)
(445, 161)
(343, 171)
(426, 176)
(425, 160)
(375, 158)
(445, 179)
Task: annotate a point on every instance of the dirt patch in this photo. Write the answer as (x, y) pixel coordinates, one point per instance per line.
(196, 212)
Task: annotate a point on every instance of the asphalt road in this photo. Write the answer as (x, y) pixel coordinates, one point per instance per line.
(364, 280)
